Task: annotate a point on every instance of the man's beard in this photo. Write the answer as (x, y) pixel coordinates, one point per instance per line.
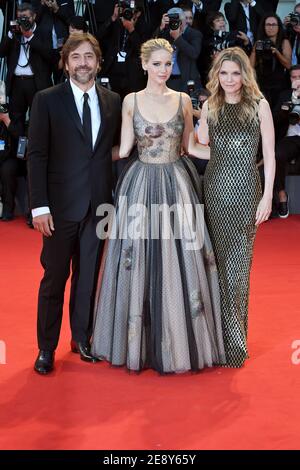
(83, 79)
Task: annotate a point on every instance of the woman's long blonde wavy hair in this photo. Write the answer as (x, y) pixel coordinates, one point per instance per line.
(250, 93)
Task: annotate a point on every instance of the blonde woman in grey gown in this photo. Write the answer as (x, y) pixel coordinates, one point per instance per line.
(157, 302)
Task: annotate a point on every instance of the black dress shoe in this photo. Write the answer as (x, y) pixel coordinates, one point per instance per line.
(84, 350)
(44, 362)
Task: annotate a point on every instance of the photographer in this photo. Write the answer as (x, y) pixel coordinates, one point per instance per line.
(244, 15)
(287, 125)
(10, 166)
(292, 26)
(29, 60)
(271, 57)
(8, 8)
(187, 43)
(122, 36)
(52, 18)
(217, 38)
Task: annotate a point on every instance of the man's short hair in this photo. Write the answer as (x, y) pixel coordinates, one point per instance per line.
(26, 7)
(295, 67)
(75, 40)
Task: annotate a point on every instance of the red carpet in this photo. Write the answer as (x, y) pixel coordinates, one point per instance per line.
(85, 406)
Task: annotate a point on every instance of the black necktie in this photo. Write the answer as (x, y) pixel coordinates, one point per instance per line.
(87, 121)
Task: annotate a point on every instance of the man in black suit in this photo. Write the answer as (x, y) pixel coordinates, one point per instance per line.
(121, 40)
(72, 127)
(187, 43)
(29, 59)
(53, 17)
(245, 16)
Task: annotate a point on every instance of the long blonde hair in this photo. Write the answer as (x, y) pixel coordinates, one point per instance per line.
(250, 93)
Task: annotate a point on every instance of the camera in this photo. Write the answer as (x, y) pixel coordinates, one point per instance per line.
(174, 21)
(104, 81)
(293, 109)
(294, 19)
(23, 22)
(264, 45)
(224, 39)
(191, 92)
(3, 108)
(126, 9)
(22, 146)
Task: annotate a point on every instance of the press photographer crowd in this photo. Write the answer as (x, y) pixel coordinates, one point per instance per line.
(34, 33)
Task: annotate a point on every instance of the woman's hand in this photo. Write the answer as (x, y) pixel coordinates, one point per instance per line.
(263, 210)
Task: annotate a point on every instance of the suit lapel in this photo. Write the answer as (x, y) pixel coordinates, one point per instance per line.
(68, 99)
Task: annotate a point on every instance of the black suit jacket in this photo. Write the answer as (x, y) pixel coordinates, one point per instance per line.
(110, 35)
(64, 174)
(188, 47)
(46, 19)
(40, 59)
(237, 19)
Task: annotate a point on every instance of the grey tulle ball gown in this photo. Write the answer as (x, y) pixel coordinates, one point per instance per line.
(157, 302)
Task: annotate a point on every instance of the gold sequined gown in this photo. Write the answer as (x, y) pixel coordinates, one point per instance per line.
(158, 301)
(232, 192)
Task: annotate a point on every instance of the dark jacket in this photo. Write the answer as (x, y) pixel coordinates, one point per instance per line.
(237, 19)
(40, 59)
(110, 34)
(188, 47)
(64, 174)
(46, 19)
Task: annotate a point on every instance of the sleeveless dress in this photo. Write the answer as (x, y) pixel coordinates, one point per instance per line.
(232, 192)
(157, 301)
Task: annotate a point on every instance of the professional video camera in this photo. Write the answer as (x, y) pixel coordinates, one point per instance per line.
(292, 107)
(22, 22)
(192, 93)
(224, 39)
(174, 21)
(264, 45)
(127, 9)
(294, 19)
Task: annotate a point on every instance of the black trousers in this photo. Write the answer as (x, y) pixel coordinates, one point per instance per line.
(8, 178)
(76, 244)
(287, 149)
(10, 169)
(21, 97)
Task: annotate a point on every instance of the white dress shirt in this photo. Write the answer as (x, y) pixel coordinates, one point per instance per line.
(23, 67)
(246, 8)
(93, 104)
(96, 122)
